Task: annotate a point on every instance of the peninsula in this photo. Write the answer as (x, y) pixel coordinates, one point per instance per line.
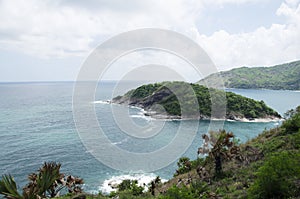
(279, 77)
(159, 101)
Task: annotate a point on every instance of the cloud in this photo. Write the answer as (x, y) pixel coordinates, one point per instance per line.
(291, 10)
(72, 28)
(61, 28)
(265, 46)
(44, 29)
(222, 2)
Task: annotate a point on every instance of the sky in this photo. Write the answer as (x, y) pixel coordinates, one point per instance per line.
(50, 40)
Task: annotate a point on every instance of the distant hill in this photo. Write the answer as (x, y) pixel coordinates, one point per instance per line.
(150, 95)
(279, 77)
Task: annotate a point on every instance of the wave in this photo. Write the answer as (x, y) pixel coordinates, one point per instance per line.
(142, 116)
(141, 113)
(120, 142)
(111, 184)
(277, 123)
(102, 102)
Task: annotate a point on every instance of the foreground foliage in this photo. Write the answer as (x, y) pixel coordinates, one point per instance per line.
(277, 177)
(265, 167)
(47, 182)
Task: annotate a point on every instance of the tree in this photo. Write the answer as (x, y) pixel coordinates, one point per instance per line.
(292, 125)
(47, 182)
(8, 187)
(153, 185)
(219, 146)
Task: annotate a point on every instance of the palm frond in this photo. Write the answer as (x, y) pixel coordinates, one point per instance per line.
(47, 176)
(8, 187)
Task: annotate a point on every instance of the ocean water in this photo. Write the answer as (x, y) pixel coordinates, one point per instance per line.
(36, 125)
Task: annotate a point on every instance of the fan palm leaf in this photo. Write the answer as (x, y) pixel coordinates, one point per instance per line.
(47, 176)
(8, 187)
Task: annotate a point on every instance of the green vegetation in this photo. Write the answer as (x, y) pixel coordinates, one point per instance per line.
(47, 182)
(184, 165)
(285, 77)
(277, 176)
(167, 94)
(132, 186)
(267, 166)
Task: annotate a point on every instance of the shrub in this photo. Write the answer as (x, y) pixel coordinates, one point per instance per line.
(293, 124)
(277, 176)
(198, 162)
(178, 193)
(131, 186)
(125, 185)
(184, 165)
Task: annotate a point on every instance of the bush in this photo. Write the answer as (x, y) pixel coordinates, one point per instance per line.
(125, 185)
(178, 193)
(198, 187)
(277, 176)
(293, 124)
(198, 162)
(184, 165)
(131, 186)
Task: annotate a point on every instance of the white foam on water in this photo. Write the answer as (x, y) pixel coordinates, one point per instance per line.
(120, 142)
(111, 184)
(142, 116)
(276, 124)
(102, 102)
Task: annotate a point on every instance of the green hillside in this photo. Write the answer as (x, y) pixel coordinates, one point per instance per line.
(150, 95)
(280, 77)
(265, 167)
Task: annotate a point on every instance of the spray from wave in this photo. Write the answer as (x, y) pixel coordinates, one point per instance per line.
(143, 179)
(102, 102)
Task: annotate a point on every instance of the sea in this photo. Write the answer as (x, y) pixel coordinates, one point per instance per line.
(37, 125)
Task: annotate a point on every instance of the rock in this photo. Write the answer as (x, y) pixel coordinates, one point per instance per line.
(114, 185)
(82, 196)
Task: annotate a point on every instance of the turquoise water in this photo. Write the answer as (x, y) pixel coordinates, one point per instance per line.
(280, 100)
(36, 125)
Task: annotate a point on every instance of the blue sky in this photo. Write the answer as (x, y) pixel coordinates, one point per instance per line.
(49, 40)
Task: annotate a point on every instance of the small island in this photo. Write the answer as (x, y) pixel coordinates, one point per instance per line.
(160, 102)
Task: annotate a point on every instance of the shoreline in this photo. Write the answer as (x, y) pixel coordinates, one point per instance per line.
(111, 184)
(179, 118)
(162, 117)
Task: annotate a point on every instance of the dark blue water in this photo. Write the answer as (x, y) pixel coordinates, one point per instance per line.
(36, 125)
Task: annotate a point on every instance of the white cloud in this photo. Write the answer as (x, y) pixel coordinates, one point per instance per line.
(265, 46)
(45, 30)
(67, 28)
(222, 2)
(291, 10)
(59, 28)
